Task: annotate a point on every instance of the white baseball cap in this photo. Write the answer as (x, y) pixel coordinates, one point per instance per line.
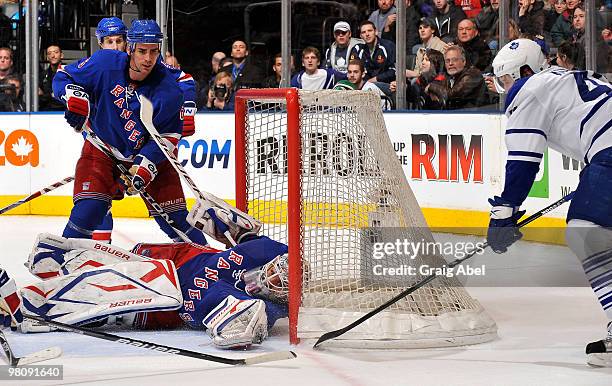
(342, 26)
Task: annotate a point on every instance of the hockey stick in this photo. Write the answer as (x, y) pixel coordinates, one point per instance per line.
(336, 333)
(162, 213)
(38, 356)
(37, 194)
(146, 116)
(269, 357)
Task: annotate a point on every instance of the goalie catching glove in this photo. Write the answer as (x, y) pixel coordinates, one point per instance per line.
(77, 106)
(503, 231)
(142, 172)
(236, 323)
(217, 219)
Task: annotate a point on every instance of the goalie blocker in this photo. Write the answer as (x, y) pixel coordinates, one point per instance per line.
(206, 290)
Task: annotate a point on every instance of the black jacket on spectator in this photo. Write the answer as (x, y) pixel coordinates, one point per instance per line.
(379, 63)
(447, 23)
(534, 20)
(487, 24)
(464, 90)
(412, 29)
(46, 100)
(249, 76)
(477, 53)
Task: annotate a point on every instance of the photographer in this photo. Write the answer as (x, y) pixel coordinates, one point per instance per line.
(10, 94)
(221, 96)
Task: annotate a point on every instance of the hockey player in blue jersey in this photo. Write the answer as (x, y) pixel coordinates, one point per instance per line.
(111, 33)
(235, 295)
(103, 91)
(569, 111)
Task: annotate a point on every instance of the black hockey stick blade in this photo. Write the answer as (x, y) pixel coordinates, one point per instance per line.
(336, 333)
(38, 356)
(269, 357)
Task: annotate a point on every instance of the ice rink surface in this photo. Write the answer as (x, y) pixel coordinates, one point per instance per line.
(542, 331)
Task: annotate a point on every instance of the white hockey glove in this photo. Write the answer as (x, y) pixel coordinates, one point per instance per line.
(10, 302)
(237, 323)
(270, 281)
(214, 220)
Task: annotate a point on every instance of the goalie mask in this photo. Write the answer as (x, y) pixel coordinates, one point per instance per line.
(270, 281)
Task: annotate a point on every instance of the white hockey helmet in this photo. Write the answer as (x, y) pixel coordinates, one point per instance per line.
(513, 56)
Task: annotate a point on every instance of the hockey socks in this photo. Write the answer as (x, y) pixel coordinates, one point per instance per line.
(84, 218)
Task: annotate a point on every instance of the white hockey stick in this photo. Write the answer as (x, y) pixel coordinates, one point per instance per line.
(37, 194)
(146, 116)
(158, 208)
(38, 356)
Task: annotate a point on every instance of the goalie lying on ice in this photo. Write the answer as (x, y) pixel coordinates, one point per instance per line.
(236, 294)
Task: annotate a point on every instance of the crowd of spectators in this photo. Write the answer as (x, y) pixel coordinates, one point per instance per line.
(450, 48)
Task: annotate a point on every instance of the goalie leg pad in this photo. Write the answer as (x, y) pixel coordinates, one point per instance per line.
(215, 219)
(235, 323)
(92, 295)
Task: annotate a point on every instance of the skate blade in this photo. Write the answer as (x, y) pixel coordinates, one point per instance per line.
(600, 360)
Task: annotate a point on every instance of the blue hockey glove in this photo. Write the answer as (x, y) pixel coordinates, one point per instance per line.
(143, 172)
(502, 227)
(77, 106)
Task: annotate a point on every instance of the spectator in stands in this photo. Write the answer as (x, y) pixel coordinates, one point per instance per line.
(428, 34)
(432, 67)
(476, 49)
(412, 24)
(471, 8)
(221, 95)
(603, 63)
(312, 77)
(355, 81)
(215, 65)
(45, 88)
(513, 30)
(464, 87)
(273, 81)
(171, 60)
(557, 9)
(244, 74)
(488, 25)
(11, 96)
(6, 62)
(532, 17)
(377, 55)
(447, 17)
(215, 62)
(338, 54)
(570, 56)
(562, 29)
(386, 9)
(6, 28)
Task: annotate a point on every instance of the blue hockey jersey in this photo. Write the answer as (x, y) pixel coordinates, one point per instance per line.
(114, 105)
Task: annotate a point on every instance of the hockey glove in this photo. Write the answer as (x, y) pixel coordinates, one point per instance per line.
(77, 106)
(10, 302)
(502, 227)
(188, 112)
(143, 172)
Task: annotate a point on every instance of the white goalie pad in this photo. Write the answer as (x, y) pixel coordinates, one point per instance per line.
(215, 219)
(54, 255)
(91, 295)
(237, 323)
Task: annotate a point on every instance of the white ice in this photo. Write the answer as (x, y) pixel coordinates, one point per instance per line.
(542, 332)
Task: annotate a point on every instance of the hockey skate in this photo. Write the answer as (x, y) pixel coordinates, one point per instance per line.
(599, 353)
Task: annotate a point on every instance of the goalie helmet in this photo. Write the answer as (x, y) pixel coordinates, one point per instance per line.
(516, 54)
(144, 31)
(110, 26)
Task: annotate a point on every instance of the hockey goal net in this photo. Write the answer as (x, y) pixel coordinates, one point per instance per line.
(319, 170)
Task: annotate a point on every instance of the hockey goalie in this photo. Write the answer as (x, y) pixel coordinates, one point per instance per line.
(236, 295)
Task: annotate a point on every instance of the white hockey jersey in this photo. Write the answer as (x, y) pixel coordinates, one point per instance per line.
(570, 111)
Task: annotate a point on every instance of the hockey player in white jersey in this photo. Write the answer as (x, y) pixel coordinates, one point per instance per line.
(571, 112)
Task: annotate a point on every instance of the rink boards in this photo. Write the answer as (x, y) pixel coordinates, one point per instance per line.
(453, 162)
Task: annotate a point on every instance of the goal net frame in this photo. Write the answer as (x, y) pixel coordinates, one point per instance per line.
(449, 329)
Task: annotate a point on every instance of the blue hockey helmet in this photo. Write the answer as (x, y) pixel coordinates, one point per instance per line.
(144, 31)
(110, 26)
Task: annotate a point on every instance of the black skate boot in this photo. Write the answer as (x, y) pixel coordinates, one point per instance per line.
(599, 354)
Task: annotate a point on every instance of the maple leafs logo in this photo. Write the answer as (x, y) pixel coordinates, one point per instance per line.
(22, 148)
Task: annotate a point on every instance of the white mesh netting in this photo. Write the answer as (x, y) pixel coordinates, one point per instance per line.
(354, 194)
